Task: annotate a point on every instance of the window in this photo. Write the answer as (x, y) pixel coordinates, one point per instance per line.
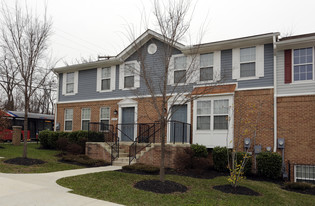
(221, 111)
(247, 62)
(305, 173)
(219, 116)
(180, 64)
(68, 119)
(303, 64)
(105, 78)
(129, 78)
(203, 115)
(85, 117)
(70, 83)
(206, 67)
(104, 118)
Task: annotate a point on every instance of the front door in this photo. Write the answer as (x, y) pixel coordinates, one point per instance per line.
(128, 124)
(178, 130)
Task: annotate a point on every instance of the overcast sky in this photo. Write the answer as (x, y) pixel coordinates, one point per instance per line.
(87, 28)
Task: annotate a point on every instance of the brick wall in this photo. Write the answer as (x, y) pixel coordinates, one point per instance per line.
(296, 124)
(172, 152)
(96, 151)
(253, 110)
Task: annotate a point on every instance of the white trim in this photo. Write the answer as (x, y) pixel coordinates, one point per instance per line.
(299, 94)
(254, 88)
(112, 79)
(275, 91)
(76, 81)
(127, 102)
(136, 76)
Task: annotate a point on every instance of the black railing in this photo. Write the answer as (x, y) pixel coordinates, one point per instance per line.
(147, 133)
(180, 132)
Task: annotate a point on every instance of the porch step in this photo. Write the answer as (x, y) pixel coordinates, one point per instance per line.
(122, 161)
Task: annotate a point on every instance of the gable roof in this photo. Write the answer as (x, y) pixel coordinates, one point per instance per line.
(122, 56)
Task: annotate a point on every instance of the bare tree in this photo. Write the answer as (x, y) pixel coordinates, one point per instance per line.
(8, 72)
(165, 89)
(25, 35)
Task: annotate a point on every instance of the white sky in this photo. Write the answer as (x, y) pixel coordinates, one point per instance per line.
(84, 28)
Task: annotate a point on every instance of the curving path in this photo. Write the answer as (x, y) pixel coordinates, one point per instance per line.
(41, 189)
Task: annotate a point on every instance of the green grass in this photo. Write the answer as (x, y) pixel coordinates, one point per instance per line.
(118, 187)
(48, 156)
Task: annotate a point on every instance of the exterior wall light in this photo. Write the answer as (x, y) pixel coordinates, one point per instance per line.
(115, 112)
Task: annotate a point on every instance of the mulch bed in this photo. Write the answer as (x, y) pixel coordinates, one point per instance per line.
(1, 147)
(240, 190)
(157, 186)
(306, 191)
(195, 173)
(24, 161)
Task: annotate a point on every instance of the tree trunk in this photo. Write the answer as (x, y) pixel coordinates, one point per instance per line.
(26, 107)
(162, 163)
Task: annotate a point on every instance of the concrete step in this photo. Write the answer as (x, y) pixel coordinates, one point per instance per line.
(122, 162)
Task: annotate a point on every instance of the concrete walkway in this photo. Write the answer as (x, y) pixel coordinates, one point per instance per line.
(42, 189)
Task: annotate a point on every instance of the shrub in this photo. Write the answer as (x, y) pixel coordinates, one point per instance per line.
(95, 137)
(184, 160)
(48, 139)
(297, 186)
(149, 169)
(201, 163)
(220, 161)
(43, 138)
(62, 143)
(199, 150)
(74, 148)
(269, 164)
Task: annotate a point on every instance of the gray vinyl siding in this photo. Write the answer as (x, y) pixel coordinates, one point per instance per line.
(267, 79)
(298, 88)
(155, 63)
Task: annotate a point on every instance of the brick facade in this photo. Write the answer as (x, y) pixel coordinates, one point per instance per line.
(253, 110)
(296, 124)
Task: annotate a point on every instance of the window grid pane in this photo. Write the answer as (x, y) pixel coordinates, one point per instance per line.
(248, 54)
(129, 82)
(206, 60)
(203, 123)
(129, 69)
(221, 122)
(86, 113)
(180, 63)
(69, 114)
(70, 87)
(106, 73)
(247, 70)
(221, 106)
(85, 124)
(105, 84)
(70, 77)
(303, 64)
(203, 107)
(105, 113)
(206, 74)
(180, 76)
(68, 125)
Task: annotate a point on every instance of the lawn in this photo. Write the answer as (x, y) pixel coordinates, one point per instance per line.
(52, 164)
(118, 187)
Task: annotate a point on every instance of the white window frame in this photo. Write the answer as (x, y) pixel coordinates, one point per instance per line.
(292, 70)
(67, 120)
(104, 118)
(259, 63)
(75, 83)
(136, 75)
(82, 119)
(295, 173)
(216, 65)
(112, 79)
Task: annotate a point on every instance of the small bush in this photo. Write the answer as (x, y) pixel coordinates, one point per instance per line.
(62, 144)
(48, 139)
(201, 163)
(199, 150)
(220, 161)
(184, 160)
(43, 138)
(297, 186)
(74, 148)
(96, 137)
(149, 169)
(83, 160)
(269, 164)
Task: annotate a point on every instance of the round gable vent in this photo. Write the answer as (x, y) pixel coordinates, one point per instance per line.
(152, 48)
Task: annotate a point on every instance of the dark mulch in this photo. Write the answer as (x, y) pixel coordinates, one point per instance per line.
(306, 191)
(157, 186)
(195, 173)
(24, 161)
(2, 147)
(240, 190)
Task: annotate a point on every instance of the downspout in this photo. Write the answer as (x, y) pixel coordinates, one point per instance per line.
(57, 99)
(274, 94)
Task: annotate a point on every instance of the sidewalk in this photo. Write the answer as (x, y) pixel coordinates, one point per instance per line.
(41, 189)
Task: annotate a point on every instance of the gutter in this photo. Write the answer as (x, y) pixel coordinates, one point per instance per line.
(275, 94)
